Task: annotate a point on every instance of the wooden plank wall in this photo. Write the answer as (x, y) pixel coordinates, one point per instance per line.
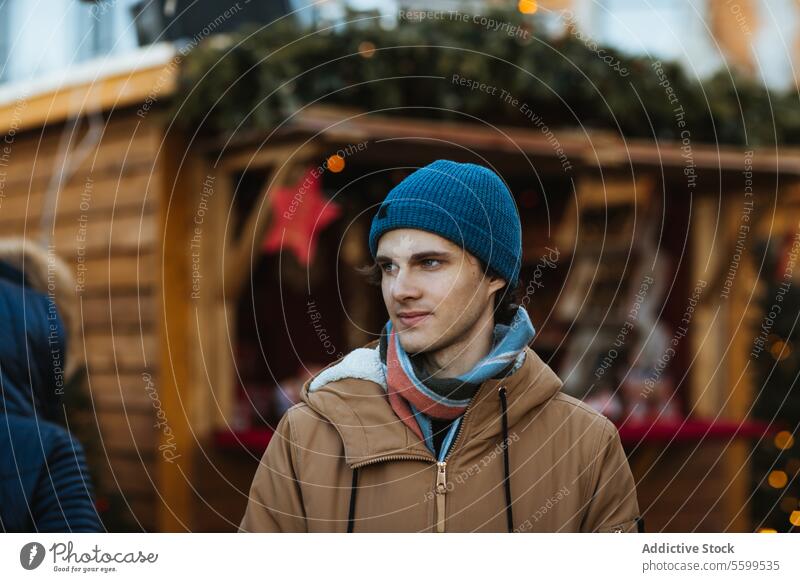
(104, 220)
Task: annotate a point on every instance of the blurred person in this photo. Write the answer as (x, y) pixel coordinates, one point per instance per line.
(44, 482)
(449, 422)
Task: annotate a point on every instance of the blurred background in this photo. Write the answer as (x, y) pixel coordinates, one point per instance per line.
(652, 148)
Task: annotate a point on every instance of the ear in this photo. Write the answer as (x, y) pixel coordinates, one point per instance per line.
(496, 283)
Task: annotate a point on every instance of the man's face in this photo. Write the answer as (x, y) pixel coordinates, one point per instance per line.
(435, 292)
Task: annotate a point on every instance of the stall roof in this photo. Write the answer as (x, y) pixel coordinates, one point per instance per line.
(101, 84)
(151, 73)
(592, 148)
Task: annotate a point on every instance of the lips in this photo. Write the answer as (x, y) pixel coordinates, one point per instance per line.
(411, 318)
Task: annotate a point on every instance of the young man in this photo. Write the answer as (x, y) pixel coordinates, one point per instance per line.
(449, 422)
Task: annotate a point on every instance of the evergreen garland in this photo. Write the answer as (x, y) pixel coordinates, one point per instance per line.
(257, 77)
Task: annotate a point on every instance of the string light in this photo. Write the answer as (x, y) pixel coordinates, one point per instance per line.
(780, 350)
(366, 49)
(794, 518)
(528, 6)
(784, 440)
(336, 163)
(778, 479)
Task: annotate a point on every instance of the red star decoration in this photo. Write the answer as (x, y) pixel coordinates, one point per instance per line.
(302, 212)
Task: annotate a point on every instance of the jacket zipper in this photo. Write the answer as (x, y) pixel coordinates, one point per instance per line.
(441, 489)
(441, 475)
(441, 470)
(392, 458)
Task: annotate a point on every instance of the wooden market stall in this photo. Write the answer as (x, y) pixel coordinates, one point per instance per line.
(197, 330)
(702, 451)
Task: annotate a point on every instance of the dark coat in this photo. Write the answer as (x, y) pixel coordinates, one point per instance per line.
(44, 483)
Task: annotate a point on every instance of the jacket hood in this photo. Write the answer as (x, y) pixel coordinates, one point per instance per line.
(32, 348)
(351, 394)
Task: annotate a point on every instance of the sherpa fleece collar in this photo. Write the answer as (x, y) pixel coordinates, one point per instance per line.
(351, 394)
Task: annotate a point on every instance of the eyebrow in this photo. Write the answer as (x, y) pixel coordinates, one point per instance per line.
(417, 256)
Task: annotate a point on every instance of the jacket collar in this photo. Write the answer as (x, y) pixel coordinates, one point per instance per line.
(350, 394)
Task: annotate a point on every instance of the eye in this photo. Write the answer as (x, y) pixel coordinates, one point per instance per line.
(385, 267)
(431, 262)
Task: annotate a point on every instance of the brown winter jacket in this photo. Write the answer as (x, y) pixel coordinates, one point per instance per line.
(342, 460)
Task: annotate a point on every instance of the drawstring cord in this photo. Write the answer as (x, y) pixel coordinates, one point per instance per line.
(506, 481)
(352, 512)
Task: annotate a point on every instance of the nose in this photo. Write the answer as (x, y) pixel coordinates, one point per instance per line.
(404, 287)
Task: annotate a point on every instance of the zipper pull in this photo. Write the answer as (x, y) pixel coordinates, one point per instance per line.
(441, 489)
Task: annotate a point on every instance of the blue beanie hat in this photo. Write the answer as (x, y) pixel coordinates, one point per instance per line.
(465, 203)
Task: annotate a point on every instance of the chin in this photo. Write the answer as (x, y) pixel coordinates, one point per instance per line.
(413, 342)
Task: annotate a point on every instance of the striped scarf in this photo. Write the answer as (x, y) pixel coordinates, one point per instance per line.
(411, 390)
